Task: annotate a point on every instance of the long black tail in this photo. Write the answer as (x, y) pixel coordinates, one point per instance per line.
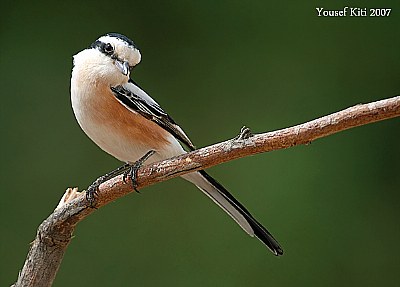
(235, 209)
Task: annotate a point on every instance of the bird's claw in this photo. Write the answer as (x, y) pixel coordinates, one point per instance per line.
(92, 192)
(131, 172)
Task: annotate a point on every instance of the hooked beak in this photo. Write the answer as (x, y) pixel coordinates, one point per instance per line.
(123, 66)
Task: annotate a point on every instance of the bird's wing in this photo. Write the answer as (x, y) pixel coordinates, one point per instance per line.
(137, 100)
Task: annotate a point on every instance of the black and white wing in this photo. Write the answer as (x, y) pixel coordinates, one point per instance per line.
(135, 99)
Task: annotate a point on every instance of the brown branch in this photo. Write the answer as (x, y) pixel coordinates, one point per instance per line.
(55, 233)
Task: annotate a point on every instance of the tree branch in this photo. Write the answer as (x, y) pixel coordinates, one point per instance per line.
(55, 233)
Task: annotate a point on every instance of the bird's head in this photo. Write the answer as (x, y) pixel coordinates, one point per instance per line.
(110, 58)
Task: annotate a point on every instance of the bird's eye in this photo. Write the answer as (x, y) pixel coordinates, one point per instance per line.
(108, 48)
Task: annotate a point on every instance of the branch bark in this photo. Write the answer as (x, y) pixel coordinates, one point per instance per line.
(55, 233)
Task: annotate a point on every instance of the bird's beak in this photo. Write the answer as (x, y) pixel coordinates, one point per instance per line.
(123, 66)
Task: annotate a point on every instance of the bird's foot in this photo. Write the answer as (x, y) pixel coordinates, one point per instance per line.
(93, 189)
(132, 170)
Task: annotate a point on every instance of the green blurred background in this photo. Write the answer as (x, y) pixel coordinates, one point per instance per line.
(215, 66)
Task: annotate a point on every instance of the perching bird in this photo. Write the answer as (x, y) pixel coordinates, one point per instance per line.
(127, 123)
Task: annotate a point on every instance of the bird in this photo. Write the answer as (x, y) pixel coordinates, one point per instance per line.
(124, 121)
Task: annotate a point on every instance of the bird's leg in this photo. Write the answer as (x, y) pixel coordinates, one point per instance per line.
(92, 190)
(132, 170)
(127, 170)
